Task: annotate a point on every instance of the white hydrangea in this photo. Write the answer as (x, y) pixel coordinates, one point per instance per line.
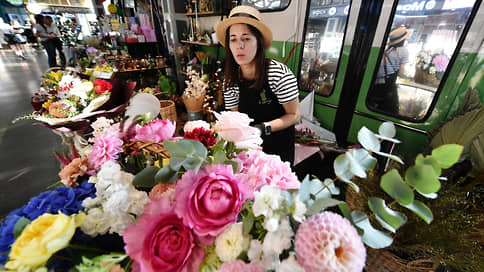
(116, 198)
(271, 222)
(290, 265)
(267, 199)
(231, 242)
(277, 241)
(190, 125)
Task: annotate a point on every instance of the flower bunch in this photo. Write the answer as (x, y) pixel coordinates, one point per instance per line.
(196, 86)
(64, 97)
(432, 63)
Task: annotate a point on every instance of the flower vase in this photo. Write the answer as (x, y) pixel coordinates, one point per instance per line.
(194, 106)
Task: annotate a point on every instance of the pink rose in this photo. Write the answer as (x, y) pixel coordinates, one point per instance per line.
(210, 200)
(234, 126)
(161, 242)
(156, 131)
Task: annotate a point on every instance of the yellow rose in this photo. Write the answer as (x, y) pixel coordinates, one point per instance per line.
(43, 237)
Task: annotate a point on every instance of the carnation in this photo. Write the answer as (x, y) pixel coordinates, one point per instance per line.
(202, 135)
(78, 167)
(327, 242)
(106, 148)
(231, 242)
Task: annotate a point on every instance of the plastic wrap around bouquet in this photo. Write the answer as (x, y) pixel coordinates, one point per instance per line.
(67, 102)
(216, 203)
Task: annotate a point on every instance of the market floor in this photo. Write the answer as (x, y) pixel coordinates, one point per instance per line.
(27, 162)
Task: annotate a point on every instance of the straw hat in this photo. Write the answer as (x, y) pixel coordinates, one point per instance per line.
(398, 35)
(244, 15)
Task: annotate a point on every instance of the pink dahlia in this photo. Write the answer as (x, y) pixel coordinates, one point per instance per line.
(238, 265)
(161, 242)
(210, 200)
(105, 148)
(156, 131)
(327, 242)
(262, 168)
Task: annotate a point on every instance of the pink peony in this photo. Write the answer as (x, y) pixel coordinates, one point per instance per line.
(161, 242)
(440, 62)
(106, 148)
(238, 265)
(327, 242)
(234, 126)
(210, 200)
(156, 131)
(262, 168)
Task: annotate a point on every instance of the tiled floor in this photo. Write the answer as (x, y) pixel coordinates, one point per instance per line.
(27, 162)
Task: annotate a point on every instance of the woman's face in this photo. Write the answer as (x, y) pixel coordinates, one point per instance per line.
(242, 43)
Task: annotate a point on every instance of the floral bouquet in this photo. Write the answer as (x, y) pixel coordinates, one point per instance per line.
(212, 202)
(194, 94)
(64, 97)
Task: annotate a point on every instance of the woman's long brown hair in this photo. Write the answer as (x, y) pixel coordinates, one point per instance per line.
(232, 73)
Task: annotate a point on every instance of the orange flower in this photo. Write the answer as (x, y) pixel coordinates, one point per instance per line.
(77, 168)
(57, 110)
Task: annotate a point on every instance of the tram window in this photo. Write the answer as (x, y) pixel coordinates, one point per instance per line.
(267, 5)
(433, 29)
(323, 44)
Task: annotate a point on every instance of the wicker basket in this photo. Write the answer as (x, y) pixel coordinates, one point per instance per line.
(168, 110)
(423, 77)
(381, 260)
(140, 146)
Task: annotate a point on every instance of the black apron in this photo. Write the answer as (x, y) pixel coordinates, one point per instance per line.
(264, 107)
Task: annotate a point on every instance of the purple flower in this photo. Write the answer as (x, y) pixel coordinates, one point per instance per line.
(441, 61)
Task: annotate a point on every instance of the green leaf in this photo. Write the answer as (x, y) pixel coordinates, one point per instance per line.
(247, 223)
(371, 236)
(368, 139)
(393, 184)
(341, 169)
(345, 210)
(166, 175)
(364, 158)
(391, 156)
(20, 226)
(321, 204)
(389, 219)
(423, 178)
(354, 165)
(429, 160)
(421, 210)
(219, 157)
(305, 189)
(146, 178)
(448, 154)
(234, 165)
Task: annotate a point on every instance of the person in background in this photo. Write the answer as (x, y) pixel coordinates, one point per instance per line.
(265, 89)
(384, 94)
(58, 45)
(69, 35)
(12, 34)
(40, 31)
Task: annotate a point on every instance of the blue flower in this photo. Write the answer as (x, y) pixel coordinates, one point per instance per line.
(64, 199)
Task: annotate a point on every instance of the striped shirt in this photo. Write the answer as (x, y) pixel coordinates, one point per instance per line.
(395, 57)
(281, 80)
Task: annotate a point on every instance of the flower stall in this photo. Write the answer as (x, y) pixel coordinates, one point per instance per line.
(136, 196)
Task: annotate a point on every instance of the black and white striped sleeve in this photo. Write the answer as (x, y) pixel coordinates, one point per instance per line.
(283, 82)
(231, 97)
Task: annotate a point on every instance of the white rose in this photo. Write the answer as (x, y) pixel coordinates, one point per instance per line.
(231, 242)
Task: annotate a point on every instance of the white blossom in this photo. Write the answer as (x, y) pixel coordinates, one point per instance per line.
(96, 223)
(267, 199)
(298, 209)
(277, 241)
(191, 125)
(290, 265)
